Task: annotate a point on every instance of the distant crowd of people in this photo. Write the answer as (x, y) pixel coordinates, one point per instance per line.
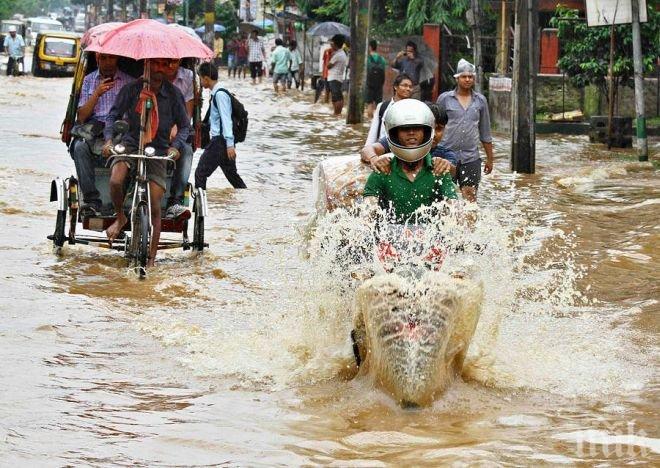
(248, 54)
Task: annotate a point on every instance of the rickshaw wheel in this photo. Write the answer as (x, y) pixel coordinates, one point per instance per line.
(142, 253)
(198, 228)
(58, 235)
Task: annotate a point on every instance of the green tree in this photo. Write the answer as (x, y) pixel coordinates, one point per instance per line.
(585, 50)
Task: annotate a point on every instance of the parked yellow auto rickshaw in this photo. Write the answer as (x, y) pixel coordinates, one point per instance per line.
(55, 53)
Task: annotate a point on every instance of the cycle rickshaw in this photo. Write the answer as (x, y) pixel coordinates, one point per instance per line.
(136, 236)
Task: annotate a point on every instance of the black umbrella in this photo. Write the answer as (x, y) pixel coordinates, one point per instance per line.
(328, 29)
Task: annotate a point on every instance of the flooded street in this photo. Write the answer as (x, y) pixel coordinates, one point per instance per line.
(241, 355)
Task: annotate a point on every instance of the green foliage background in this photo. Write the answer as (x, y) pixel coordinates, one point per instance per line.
(585, 51)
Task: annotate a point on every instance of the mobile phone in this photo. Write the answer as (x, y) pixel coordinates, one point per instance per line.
(109, 80)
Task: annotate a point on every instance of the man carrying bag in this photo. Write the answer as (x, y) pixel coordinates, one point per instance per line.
(220, 151)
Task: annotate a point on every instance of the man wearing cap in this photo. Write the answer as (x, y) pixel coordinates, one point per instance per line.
(468, 124)
(15, 48)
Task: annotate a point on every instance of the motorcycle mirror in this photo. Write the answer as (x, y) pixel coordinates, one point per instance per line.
(120, 127)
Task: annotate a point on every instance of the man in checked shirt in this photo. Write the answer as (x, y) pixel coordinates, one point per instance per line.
(98, 94)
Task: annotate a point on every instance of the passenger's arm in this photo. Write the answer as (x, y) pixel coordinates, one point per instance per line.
(372, 137)
(369, 152)
(442, 166)
(190, 105)
(224, 106)
(182, 122)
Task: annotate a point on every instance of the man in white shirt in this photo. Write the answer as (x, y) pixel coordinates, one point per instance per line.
(336, 70)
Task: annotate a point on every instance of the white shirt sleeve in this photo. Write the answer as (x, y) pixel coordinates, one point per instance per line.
(372, 137)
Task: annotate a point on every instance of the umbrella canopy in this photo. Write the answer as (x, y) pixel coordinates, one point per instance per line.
(328, 29)
(146, 39)
(216, 28)
(95, 33)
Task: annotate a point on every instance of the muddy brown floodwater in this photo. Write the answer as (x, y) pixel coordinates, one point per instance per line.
(236, 357)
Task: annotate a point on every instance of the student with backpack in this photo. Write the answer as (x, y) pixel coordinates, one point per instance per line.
(225, 128)
(403, 87)
(376, 65)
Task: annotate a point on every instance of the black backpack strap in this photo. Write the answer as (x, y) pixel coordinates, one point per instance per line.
(208, 111)
(381, 114)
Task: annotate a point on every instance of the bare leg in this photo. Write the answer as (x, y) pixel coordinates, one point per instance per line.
(117, 178)
(338, 106)
(469, 193)
(156, 194)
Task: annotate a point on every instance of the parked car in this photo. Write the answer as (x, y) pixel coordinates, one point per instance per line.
(55, 53)
(42, 23)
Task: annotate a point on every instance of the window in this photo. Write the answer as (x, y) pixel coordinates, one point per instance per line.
(59, 47)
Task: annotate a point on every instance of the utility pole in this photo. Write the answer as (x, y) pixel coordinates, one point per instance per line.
(144, 13)
(360, 12)
(476, 47)
(209, 19)
(642, 142)
(523, 93)
(111, 10)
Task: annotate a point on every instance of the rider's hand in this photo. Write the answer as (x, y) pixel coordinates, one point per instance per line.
(231, 153)
(488, 167)
(441, 166)
(106, 151)
(173, 153)
(380, 164)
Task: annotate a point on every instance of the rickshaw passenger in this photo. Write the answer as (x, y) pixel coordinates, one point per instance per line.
(169, 110)
(182, 78)
(98, 94)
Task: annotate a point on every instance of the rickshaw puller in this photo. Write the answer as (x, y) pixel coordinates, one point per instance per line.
(169, 110)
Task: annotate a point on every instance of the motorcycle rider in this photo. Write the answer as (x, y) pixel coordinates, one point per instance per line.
(411, 183)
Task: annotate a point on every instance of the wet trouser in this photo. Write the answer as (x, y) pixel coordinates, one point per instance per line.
(85, 162)
(214, 155)
(10, 64)
(180, 176)
(293, 77)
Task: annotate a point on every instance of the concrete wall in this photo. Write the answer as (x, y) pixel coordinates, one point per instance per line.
(589, 100)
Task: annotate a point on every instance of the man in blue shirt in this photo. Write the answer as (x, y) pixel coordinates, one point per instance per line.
(279, 60)
(97, 96)
(220, 151)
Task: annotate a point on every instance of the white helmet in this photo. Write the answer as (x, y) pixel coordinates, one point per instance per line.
(409, 113)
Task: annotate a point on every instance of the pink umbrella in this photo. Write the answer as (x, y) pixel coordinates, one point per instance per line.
(94, 34)
(145, 39)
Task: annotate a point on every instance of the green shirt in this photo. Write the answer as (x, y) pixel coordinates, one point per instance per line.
(376, 59)
(395, 190)
(280, 58)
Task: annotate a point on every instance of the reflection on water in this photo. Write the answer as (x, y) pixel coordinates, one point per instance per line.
(241, 355)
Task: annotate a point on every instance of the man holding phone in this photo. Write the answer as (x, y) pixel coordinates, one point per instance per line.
(408, 62)
(99, 91)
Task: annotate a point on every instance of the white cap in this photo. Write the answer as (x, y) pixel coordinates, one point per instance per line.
(464, 68)
(12, 29)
